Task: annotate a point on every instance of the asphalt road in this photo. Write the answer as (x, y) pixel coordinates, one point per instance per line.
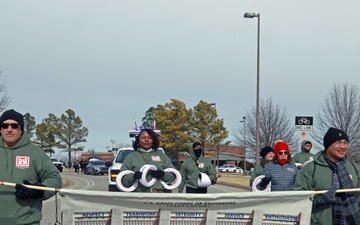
(52, 211)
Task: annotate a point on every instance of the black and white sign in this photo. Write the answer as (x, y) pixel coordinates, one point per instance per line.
(303, 122)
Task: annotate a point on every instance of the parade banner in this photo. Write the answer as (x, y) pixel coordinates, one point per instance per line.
(123, 208)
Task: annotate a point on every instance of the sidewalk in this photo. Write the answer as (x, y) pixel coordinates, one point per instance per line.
(234, 179)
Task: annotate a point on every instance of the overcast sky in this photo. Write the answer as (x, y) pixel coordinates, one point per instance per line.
(110, 61)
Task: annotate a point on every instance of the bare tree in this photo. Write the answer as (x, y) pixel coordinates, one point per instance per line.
(4, 98)
(341, 110)
(275, 124)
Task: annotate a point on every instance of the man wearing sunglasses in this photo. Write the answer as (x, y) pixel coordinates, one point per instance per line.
(281, 171)
(331, 170)
(22, 162)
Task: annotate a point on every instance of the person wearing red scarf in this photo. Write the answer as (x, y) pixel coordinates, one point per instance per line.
(282, 152)
(281, 171)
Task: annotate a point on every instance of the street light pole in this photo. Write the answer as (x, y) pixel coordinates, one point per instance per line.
(112, 144)
(243, 121)
(252, 15)
(218, 151)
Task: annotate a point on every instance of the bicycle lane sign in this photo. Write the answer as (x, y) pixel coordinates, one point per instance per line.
(303, 122)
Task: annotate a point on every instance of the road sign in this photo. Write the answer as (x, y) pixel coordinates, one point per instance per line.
(301, 127)
(303, 122)
(303, 136)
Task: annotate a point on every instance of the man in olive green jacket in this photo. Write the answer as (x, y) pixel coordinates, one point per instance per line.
(331, 170)
(23, 162)
(304, 156)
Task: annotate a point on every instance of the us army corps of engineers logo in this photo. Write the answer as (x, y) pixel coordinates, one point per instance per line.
(22, 161)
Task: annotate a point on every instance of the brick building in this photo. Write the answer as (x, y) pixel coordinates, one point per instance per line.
(220, 155)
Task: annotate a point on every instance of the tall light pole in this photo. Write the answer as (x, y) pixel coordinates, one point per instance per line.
(243, 121)
(252, 15)
(112, 144)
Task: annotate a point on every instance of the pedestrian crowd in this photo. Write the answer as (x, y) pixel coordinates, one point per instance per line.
(330, 170)
(23, 163)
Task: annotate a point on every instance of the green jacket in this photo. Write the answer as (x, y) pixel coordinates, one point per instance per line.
(190, 171)
(317, 175)
(257, 171)
(139, 158)
(303, 156)
(24, 161)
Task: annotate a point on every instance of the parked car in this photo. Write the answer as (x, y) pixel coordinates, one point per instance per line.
(96, 167)
(239, 170)
(228, 168)
(57, 163)
(221, 168)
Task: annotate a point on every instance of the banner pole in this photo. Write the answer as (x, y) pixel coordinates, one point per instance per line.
(338, 191)
(31, 186)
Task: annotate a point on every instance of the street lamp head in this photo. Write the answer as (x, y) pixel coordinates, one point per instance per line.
(244, 117)
(251, 15)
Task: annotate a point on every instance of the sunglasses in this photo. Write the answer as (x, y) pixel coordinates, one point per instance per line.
(13, 125)
(283, 153)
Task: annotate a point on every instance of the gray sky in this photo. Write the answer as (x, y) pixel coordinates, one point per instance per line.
(110, 61)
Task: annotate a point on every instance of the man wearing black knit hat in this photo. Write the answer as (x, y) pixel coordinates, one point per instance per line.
(22, 162)
(267, 154)
(332, 170)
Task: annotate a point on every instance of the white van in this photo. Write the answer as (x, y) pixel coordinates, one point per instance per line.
(114, 170)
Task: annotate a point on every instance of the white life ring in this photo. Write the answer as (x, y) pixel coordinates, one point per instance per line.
(258, 180)
(120, 186)
(177, 181)
(204, 180)
(145, 169)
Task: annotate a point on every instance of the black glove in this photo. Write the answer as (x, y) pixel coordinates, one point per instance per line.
(157, 173)
(327, 197)
(264, 182)
(137, 175)
(23, 192)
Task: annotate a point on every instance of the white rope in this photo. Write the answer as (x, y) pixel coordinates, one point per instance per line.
(204, 180)
(258, 180)
(177, 179)
(120, 186)
(145, 169)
